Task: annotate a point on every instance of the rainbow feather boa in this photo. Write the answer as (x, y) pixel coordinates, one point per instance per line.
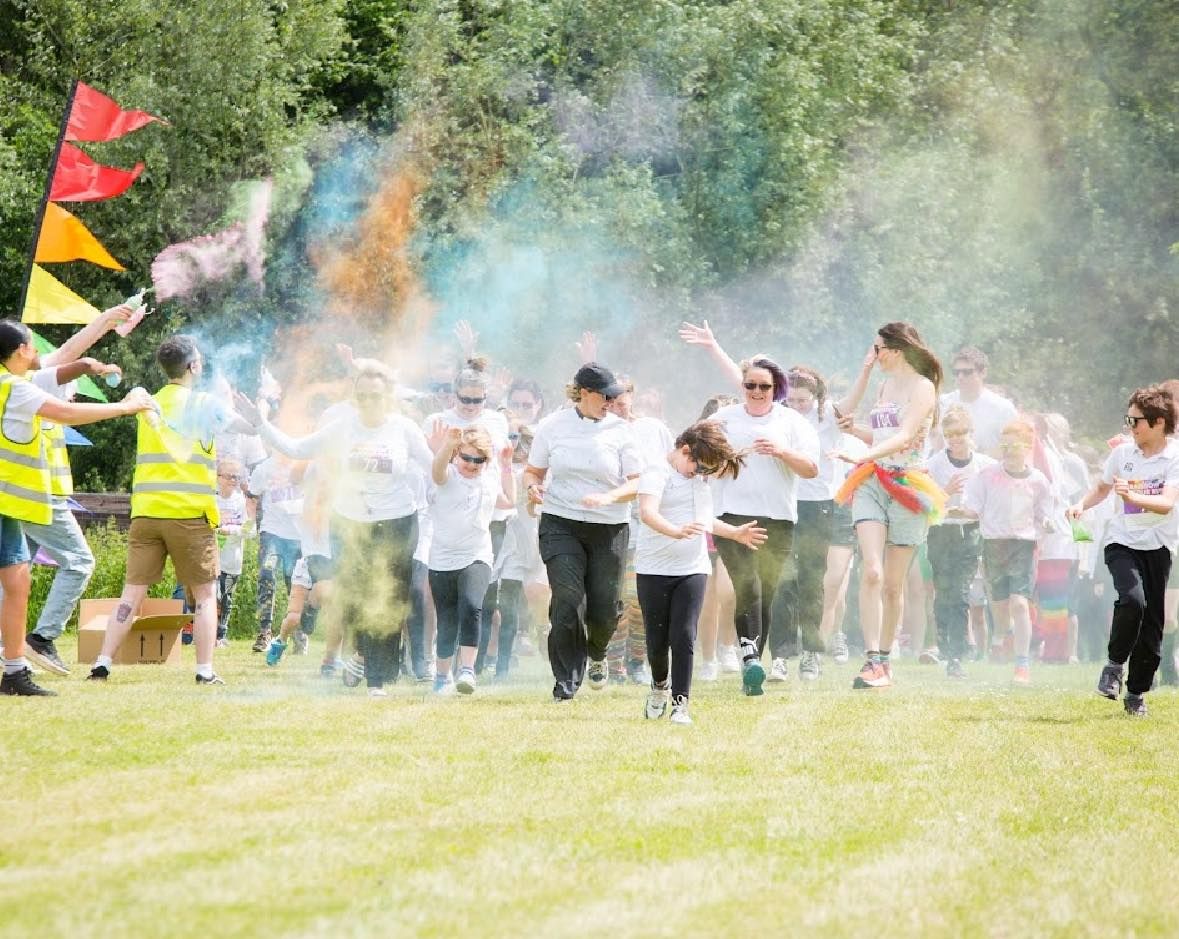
(913, 488)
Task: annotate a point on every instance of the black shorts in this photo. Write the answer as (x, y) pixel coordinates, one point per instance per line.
(1010, 566)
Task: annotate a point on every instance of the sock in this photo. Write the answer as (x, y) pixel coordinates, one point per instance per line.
(103, 660)
(1110, 663)
(1023, 661)
(13, 666)
(205, 671)
(873, 655)
(883, 657)
(660, 685)
(749, 650)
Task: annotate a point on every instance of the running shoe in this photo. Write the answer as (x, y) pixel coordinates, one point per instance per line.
(44, 653)
(778, 671)
(839, 650)
(728, 659)
(376, 692)
(810, 666)
(1109, 684)
(954, 669)
(262, 642)
(223, 643)
(872, 675)
(443, 684)
(329, 669)
(679, 710)
(274, 652)
(753, 675)
(1022, 676)
(657, 701)
(353, 671)
(301, 643)
(709, 671)
(596, 674)
(1135, 705)
(929, 657)
(211, 680)
(99, 673)
(21, 684)
(465, 683)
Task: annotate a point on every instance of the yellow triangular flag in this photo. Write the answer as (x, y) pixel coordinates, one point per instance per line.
(50, 301)
(64, 238)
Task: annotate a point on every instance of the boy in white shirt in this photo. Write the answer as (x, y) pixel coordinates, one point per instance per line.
(231, 532)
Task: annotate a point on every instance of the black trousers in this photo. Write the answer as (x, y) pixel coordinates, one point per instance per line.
(1136, 632)
(585, 563)
(491, 600)
(458, 603)
(795, 624)
(671, 608)
(954, 551)
(513, 610)
(756, 575)
(416, 623)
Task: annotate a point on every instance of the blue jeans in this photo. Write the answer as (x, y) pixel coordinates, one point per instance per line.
(274, 554)
(62, 540)
(14, 549)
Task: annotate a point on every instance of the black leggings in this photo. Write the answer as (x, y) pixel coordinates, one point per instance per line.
(671, 607)
(491, 599)
(513, 611)
(756, 574)
(801, 596)
(458, 603)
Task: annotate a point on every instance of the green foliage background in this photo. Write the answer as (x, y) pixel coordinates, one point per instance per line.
(1003, 173)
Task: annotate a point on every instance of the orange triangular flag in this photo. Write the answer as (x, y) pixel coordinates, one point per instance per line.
(64, 238)
(50, 301)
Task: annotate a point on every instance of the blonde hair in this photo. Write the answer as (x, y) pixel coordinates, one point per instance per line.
(573, 392)
(1022, 429)
(959, 417)
(478, 440)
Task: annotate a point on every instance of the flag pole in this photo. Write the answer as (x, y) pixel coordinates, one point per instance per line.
(40, 217)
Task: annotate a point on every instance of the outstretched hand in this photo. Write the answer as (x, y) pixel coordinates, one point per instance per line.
(250, 412)
(587, 347)
(467, 338)
(751, 536)
(697, 335)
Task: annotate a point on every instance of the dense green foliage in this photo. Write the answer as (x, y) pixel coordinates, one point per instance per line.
(796, 170)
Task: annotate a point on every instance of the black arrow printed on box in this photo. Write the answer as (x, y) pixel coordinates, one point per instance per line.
(161, 646)
(142, 640)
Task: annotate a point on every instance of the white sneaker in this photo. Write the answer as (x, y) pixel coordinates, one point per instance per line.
(728, 659)
(465, 683)
(656, 705)
(377, 693)
(709, 671)
(597, 674)
(679, 710)
(778, 671)
(839, 650)
(809, 666)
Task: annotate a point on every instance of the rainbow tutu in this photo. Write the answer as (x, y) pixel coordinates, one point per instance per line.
(911, 487)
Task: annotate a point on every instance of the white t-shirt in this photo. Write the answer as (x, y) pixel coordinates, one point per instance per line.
(766, 488)
(519, 558)
(823, 486)
(247, 449)
(1010, 506)
(1131, 526)
(990, 412)
(584, 457)
(461, 512)
(491, 421)
(233, 514)
(682, 500)
(24, 401)
(943, 470)
(282, 498)
(653, 439)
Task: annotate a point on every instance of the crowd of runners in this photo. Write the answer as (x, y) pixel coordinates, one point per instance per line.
(444, 532)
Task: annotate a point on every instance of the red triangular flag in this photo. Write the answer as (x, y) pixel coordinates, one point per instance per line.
(77, 178)
(96, 117)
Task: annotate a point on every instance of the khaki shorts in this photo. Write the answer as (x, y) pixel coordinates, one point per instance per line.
(191, 543)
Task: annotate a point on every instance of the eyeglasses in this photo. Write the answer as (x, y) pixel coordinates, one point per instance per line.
(1132, 421)
(878, 347)
(476, 460)
(472, 400)
(756, 386)
(964, 371)
(226, 476)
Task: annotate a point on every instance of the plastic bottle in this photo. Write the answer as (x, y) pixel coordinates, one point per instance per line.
(138, 312)
(112, 379)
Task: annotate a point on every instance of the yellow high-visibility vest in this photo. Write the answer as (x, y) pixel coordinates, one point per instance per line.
(59, 459)
(175, 476)
(25, 479)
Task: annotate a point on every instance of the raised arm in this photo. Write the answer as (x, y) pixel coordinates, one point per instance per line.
(80, 342)
(73, 414)
(444, 453)
(849, 402)
(702, 336)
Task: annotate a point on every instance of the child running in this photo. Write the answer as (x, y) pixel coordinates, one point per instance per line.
(231, 533)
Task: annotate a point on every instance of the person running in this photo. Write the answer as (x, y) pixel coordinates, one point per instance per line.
(526, 401)
(671, 557)
(989, 411)
(277, 485)
(174, 504)
(1013, 502)
(374, 454)
(955, 545)
(231, 533)
(465, 496)
(1144, 474)
(26, 484)
(891, 495)
(582, 460)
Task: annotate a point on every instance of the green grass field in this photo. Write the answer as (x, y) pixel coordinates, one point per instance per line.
(284, 805)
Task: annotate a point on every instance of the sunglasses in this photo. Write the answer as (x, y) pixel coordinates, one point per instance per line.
(471, 400)
(474, 460)
(1133, 421)
(513, 437)
(756, 386)
(960, 372)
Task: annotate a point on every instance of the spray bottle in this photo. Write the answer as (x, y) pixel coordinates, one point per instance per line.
(138, 311)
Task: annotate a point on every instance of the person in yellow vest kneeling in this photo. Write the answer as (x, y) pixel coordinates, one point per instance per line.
(174, 503)
(26, 488)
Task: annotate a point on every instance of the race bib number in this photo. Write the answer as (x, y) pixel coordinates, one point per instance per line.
(885, 417)
(1136, 516)
(370, 460)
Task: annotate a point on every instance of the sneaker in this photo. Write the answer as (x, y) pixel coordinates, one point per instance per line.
(954, 669)
(274, 652)
(99, 673)
(21, 684)
(44, 653)
(637, 673)
(929, 657)
(709, 671)
(596, 674)
(778, 671)
(353, 671)
(329, 669)
(839, 650)
(443, 684)
(465, 683)
(1134, 704)
(431, 671)
(223, 643)
(872, 675)
(1109, 684)
(211, 680)
(263, 641)
(301, 643)
(752, 678)
(1022, 676)
(810, 666)
(657, 701)
(679, 710)
(375, 692)
(728, 659)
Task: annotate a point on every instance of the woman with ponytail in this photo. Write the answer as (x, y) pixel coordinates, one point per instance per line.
(671, 557)
(893, 498)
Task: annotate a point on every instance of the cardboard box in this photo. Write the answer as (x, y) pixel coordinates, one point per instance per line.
(154, 638)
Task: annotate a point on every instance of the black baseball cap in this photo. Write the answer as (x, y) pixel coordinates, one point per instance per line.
(595, 377)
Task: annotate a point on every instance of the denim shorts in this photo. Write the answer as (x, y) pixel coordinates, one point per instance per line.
(14, 549)
(873, 504)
